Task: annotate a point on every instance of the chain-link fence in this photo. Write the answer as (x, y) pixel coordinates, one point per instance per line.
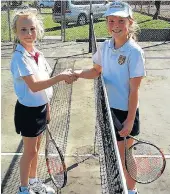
(68, 20)
(156, 9)
(44, 10)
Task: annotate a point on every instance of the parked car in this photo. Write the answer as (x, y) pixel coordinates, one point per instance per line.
(78, 11)
(15, 3)
(45, 3)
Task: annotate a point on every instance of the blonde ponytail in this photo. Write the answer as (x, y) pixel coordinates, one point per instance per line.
(134, 30)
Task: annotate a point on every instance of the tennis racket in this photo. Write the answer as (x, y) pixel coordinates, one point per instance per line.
(55, 161)
(144, 161)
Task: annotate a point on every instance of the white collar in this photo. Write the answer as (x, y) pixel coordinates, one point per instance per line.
(21, 49)
(123, 48)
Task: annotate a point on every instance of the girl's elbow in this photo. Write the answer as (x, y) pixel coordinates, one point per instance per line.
(134, 91)
(34, 89)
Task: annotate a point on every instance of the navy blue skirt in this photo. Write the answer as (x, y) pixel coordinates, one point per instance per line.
(30, 121)
(121, 116)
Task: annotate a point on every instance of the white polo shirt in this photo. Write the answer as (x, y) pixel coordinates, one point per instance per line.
(23, 64)
(118, 66)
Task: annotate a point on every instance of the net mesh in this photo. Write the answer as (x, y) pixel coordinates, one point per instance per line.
(112, 177)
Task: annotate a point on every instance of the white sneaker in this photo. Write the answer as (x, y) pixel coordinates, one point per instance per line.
(40, 188)
(133, 191)
(26, 191)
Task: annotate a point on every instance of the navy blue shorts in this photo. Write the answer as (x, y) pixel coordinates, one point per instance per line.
(121, 116)
(30, 121)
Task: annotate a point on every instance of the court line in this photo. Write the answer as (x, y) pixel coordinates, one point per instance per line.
(5, 68)
(41, 154)
(167, 156)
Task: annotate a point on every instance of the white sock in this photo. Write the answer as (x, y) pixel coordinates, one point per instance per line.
(32, 180)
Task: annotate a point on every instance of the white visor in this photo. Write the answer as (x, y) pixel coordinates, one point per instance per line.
(118, 8)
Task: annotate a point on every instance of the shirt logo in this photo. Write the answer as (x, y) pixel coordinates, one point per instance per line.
(121, 59)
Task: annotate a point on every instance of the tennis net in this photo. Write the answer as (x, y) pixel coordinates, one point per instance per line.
(111, 171)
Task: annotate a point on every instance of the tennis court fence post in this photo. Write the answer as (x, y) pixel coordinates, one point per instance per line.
(90, 29)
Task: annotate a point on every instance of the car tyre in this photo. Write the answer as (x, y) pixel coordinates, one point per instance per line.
(82, 20)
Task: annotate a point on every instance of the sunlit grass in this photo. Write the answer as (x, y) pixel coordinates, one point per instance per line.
(74, 32)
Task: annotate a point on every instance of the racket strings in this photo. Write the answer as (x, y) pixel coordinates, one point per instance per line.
(144, 162)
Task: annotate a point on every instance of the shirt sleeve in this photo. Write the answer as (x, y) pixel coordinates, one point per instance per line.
(136, 63)
(97, 58)
(20, 67)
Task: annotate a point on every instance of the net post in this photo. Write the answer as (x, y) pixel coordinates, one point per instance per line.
(8, 11)
(90, 29)
(63, 21)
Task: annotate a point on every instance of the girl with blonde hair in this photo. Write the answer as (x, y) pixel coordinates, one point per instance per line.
(33, 88)
(120, 60)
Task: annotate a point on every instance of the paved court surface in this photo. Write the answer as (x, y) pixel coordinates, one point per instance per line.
(76, 102)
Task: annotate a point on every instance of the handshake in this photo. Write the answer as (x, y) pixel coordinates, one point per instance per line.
(69, 76)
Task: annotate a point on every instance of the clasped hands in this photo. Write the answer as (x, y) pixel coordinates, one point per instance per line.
(69, 76)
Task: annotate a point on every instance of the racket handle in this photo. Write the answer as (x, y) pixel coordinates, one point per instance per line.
(116, 122)
(47, 134)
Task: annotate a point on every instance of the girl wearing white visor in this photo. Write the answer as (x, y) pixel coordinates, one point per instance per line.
(121, 62)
